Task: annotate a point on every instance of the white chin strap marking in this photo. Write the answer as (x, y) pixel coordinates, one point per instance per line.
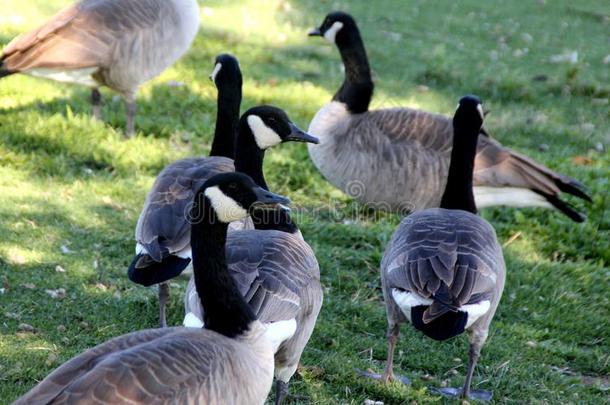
(264, 136)
(217, 68)
(331, 33)
(480, 110)
(227, 209)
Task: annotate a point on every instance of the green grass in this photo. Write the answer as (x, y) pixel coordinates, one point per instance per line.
(66, 180)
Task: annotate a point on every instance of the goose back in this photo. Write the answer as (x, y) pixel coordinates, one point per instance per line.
(273, 270)
(163, 366)
(162, 227)
(451, 257)
(120, 44)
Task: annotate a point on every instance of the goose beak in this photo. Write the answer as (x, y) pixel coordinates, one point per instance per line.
(298, 135)
(315, 32)
(265, 199)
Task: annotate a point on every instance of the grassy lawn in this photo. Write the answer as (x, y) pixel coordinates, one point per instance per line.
(71, 190)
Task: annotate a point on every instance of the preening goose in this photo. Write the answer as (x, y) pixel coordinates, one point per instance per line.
(398, 158)
(113, 43)
(162, 233)
(443, 270)
(229, 362)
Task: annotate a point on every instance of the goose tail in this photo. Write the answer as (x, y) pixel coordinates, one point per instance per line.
(550, 184)
(505, 177)
(4, 71)
(146, 271)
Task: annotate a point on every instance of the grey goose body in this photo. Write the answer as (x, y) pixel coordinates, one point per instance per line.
(118, 44)
(398, 158)
(229, 362)
(443, 270)
(162, 366)
(278, 275)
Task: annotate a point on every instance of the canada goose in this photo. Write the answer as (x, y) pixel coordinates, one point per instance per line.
(278, 274)
(113, 43)
(443, 270)
(398, 158)
(162, 233)
(228, 362)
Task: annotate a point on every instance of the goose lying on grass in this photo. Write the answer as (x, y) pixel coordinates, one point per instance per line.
(398, 158)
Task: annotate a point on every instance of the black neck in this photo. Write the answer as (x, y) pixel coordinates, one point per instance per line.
(227, 117)
(225, 310)
(248, 156)
(357, 88)
(249, 160)
(458, 193)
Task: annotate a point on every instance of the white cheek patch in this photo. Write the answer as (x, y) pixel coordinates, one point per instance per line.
(217, 68)
(331, 33)
(227, 209)
(480, 110)
(264, 136)
(475, 311)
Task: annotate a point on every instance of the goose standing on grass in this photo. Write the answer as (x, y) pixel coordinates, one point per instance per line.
(162, 233)
(443, 270)
(113, 43)
(398, 158)
(278, 274)
(229, 362)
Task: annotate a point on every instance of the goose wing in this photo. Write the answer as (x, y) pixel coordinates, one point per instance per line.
(82, 35)
(450, 256)
(163, 227)
(402, 134)
(271, 269)
(174, 365)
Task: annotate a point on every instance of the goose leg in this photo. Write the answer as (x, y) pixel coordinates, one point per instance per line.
(476, 342)
(281, 390)
(388, 375)
(130, 109)
(163, 296)
(96, 103)
(392, 336)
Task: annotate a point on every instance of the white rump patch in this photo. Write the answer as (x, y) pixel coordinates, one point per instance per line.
(77, 76)
(509, 196)
(280, 331)
(192, 321)
(140, 249)
(227, 209)
(405, 300)
(264, 136)
(475, 311)
(331, 33)
(217, 68)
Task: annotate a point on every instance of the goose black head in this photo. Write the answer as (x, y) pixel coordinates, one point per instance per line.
(336, 27)
(226, 70)
(232, 196)
(469, 115)
(271, 126)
